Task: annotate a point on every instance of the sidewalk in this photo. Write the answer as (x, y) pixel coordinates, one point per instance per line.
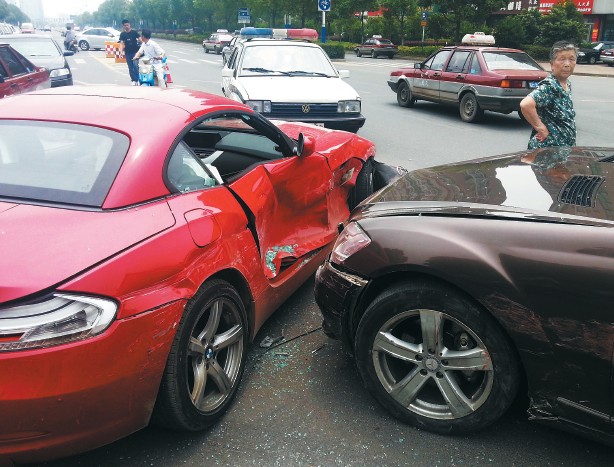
(598, 69)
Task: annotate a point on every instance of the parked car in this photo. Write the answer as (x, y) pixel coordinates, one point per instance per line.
(46, 28)
(133, 285)
(375, 47)
(95, 38)
(43, 51)
(607, 57)
(18, 74)
(217, 41)
(291, 80)
(27, 28)
(228, 48)
(593, 54)
(455, 284)
(473, 78)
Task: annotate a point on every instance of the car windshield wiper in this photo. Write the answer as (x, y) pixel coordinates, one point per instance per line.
(303, 72)
(259, 70)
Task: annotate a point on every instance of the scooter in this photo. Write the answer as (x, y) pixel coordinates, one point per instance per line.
(147, 74)
(71, 46)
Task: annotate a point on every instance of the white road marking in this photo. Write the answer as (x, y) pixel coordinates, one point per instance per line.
(187, 61)
(208, 61)
(80, 60)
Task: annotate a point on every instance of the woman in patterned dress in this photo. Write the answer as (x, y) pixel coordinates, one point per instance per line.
(549, 108)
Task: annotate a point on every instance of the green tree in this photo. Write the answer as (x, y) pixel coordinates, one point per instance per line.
(564, 22)
(400, 10)
(470, 12)
(511, 32)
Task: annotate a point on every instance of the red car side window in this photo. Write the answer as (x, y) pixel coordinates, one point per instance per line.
(12, 62)
(3, 71)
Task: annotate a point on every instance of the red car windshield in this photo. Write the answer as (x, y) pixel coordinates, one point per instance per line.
(510, 61)
(55, 162)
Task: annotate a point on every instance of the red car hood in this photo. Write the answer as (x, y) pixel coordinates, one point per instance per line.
(42, 246)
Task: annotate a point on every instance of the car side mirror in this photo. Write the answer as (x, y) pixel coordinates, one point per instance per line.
(68, 53)
(109, 35)
(344, 73)
(227, 72)
(305, 146)
(418, 65)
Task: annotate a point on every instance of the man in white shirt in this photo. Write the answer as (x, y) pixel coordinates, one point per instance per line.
(151, 50)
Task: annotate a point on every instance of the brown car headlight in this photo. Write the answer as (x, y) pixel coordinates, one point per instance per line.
(54, 320)
(351, 240)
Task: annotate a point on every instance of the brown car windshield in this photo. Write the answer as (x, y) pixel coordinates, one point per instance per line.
(510, 61)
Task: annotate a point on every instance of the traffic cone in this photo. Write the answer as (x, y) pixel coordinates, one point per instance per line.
(168, 74)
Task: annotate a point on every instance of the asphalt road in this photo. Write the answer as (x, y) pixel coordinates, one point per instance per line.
(302, 402)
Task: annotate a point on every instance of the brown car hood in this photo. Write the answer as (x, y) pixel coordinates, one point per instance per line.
(556, 184)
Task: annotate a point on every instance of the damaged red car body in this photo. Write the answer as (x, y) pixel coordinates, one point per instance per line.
(457, 286)
(144, 242)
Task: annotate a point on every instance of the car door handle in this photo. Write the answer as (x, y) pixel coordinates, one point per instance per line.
(436, 75)
(459, 76)
(13, 85)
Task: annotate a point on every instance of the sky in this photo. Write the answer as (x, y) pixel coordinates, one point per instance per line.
(56, 7)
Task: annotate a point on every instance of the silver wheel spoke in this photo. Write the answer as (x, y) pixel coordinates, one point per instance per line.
(387, 343)
(196, 347)
(406, 390)
(213, 322)
(431, 323)
(458, 403)
(471, 359)
(200, 381)
(226, 339)
(219, 377)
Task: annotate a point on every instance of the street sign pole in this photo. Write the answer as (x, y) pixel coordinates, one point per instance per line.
(323, 27)
(323, 6)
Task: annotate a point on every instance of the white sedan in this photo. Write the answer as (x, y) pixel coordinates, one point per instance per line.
(291, 80)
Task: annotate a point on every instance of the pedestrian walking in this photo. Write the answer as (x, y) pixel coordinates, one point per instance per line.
(549, 108)
(129, 44)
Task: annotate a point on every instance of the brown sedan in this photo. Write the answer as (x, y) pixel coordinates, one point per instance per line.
(455, 284)
(18, 74)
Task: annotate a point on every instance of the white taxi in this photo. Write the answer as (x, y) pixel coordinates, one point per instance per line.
(291, 80)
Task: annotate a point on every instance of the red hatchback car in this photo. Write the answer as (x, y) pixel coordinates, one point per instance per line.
(470, 77)
(139, 256)
(18, 74)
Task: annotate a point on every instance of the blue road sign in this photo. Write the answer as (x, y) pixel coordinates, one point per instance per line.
(323, 5)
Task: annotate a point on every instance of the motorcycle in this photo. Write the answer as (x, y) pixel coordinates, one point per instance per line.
(71, 46)
(147, 74)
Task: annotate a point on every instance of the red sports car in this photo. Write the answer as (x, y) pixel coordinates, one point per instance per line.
(146, 235)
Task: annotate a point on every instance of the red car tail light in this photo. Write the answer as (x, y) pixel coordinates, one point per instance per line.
(512, 83)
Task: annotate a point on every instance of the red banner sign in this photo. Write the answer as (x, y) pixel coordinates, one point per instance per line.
(583, 6)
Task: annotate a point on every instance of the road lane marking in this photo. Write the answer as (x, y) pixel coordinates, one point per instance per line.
(187, 61)
(80, 60)
(209, 61)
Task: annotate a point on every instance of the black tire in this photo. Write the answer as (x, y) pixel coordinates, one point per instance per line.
(592, 60)
(610, 64)
(217, 51)
(206, 50)
(364, 185)
(358, 54)
(470, 110)
(410, 378)
(405, 97)
(83, 45)
(373, 54)
(211, 342)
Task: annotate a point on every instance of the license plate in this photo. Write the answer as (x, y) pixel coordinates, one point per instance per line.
(319, 124)
(533, 84)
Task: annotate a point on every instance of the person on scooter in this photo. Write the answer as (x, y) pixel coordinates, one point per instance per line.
(69, 38)
(151, 50)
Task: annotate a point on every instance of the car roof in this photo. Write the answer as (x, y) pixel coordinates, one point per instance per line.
(481, 48)
(115, 107)
(25, 37)
(252, 41)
